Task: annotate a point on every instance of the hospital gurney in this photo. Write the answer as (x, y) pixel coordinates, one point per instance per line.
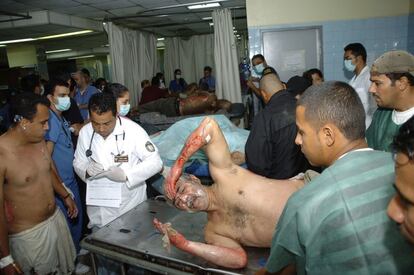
(132, 240)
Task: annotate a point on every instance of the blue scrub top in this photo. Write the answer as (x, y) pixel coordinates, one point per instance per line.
(63, 152)
(84, 99)
(210, 81)
(176, 87)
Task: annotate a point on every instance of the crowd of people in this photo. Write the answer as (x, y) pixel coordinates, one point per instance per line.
(325, 162)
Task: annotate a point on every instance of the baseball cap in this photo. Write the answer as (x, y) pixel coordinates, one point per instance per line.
(296, 85)
(394, 62)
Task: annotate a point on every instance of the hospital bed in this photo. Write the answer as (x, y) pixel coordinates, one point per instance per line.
(133, 241)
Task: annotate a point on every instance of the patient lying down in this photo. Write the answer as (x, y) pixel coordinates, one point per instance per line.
(243, 208)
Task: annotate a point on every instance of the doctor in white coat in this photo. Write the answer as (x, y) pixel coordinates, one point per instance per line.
(116, 153)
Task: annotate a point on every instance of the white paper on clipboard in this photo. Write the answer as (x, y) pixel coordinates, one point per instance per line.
(103, 192)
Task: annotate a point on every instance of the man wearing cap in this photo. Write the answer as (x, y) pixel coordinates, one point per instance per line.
(84, 91)
(355, 60)
(392, 76)
(270, 148)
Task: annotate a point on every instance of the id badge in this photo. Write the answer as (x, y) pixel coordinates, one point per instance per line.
(120, 158)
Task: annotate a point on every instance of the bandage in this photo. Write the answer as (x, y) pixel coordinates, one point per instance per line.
(6, 261)
(208, 138)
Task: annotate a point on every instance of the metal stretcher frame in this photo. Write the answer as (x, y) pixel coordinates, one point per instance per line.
(132, 240)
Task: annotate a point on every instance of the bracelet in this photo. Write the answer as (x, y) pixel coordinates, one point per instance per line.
(5, 261)
(65, 197)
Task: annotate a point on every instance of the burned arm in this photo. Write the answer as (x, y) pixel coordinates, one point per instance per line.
(207, 136)
(221, 251)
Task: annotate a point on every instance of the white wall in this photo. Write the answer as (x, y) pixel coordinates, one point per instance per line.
(275, 12)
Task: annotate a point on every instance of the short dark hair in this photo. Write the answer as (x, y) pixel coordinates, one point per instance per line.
(51, 86)
(85, 72)
(335, 102)
(258, 56)
(404, 140)
(29, 82)
(155, 81)
(99, 81)
(308, 74)
(101, 103)
(176, 71)
(116, 89)
(159, 75)
(397, 76)
(357, 49)
(208, 68)
(24, 105)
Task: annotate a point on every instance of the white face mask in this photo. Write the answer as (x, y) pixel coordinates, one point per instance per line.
(124, 109)
(258, 69)
(63, 103)
(178, 76)
(349, 66)
(42, 90)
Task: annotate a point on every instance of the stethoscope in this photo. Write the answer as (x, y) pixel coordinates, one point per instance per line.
(88, 152)
(64, 124)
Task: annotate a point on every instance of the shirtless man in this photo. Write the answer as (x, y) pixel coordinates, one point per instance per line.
(243, 208)
(32, 228)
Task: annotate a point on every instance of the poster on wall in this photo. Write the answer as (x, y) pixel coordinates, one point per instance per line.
(294, 60)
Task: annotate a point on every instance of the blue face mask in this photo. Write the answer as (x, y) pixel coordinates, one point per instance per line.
(63, 103)
(258, 69)
(349, 66)
(124, 109)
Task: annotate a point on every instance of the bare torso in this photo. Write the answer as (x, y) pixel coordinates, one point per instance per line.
(247, 208)
(28, 191)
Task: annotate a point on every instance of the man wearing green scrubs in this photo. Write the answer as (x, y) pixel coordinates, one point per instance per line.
(392, 76)
(337, 223)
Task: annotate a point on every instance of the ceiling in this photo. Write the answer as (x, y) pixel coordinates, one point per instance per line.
(162, 17)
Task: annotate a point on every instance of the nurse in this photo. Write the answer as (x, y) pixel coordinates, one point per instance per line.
(121, 94)
(59, 143)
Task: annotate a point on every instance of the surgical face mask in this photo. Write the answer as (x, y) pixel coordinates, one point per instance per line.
(63, 103)
(258, 69)
(42, 90)
(124, 109)
(348, 65)
(178, 76)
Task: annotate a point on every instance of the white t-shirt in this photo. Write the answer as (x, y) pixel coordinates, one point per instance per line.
(401, 117)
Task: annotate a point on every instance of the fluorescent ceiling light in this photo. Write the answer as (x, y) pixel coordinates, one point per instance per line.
(2, 46)
(211, 24)
(203, 6)
(80, 57)
(207, 18)
(161, 15)
(65, 34)
(161, 39)
(58, 51)
(17, 40)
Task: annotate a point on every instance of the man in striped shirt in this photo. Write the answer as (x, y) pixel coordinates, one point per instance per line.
(337, 224)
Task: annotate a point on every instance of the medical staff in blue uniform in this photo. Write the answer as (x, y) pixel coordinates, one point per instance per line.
(84, 91)
(59, 142)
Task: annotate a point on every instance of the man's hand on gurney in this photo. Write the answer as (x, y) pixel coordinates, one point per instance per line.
(228, 254)
(171, 236)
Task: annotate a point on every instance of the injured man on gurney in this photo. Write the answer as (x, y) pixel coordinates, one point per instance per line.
(243, 208)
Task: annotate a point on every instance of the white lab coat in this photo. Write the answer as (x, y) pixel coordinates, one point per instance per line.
(144, 161)
(361, 85)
